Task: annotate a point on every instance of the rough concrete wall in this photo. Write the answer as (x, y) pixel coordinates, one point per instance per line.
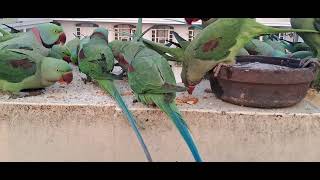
(75, 133)
(79, 122)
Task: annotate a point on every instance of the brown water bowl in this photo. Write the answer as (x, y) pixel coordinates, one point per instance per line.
(263, 88)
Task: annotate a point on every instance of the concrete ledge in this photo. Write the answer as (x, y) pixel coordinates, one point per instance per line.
(80, 123)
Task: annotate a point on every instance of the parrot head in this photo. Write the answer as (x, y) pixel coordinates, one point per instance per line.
(61, 52)
(56, 70)
(190, 78)
(100, 33)
(50, 34)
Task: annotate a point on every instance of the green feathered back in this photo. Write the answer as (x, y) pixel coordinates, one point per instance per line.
(150, 67)
(15, 67)
(25, 41)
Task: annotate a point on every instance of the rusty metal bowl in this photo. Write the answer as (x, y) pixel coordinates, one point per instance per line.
(263, 88)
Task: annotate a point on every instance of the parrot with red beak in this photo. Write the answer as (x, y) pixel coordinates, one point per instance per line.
(152, 81)
(39, 39)
(216, 45)
(22, 69)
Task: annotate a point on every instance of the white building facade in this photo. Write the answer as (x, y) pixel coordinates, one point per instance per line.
(84, 26)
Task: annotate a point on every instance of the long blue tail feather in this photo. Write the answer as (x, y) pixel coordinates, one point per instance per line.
(172, 112)
(109, 86)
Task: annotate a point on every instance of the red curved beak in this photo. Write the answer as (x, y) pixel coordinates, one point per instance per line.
(67, 59)
(191, 89)
(66, 78)
(62, 38)
(191, 20)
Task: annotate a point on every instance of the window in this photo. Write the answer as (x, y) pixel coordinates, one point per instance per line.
(162, 33)
(123, 31)
(78, 32)
(85, 29)
(192, 33)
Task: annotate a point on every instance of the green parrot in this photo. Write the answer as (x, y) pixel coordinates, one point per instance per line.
(257, 47)
(152, 80)
(300, 46)
(312, 40)
(216, 45)
(97, 61)
(39, 39)
(276, 45)
(288, 45)
(295, 46)
(60, 52)
(182, 43)
(24, 69)
(300, 55)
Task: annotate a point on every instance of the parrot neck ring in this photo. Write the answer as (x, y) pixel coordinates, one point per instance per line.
(61, 40)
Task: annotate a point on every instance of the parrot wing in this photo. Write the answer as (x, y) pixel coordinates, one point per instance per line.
(15, 67)
(216, 41)
(153, 76)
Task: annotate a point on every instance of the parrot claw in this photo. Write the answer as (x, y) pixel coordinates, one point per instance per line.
(135, 101)
(118, 77)
(217, 69)
(17, 96)
(304, 63)
(26, 94)
(86, 80)
(123, 74)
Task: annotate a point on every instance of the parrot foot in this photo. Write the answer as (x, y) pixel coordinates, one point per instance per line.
(86, 80)
(304, 63)
(135, 101)
(122, 75)
(29, 93)
(217, 69)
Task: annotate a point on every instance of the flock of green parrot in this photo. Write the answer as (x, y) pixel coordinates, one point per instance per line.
(41, 57)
